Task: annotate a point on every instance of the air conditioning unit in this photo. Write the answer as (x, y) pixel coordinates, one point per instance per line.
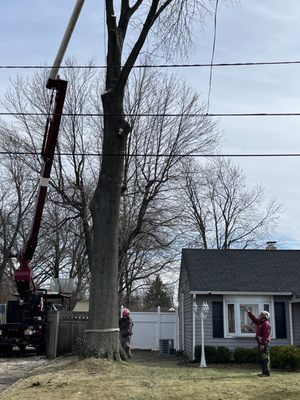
(166, 347)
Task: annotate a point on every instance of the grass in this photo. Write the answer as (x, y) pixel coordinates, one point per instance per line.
(148, 376)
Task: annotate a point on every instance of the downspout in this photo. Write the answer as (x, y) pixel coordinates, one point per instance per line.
(291, 323)
(182, 322)
(194, 326)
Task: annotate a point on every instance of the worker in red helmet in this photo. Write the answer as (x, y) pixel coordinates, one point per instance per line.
(125, 326)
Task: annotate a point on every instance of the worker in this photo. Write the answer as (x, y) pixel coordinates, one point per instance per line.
(263, 332)
(125, 326)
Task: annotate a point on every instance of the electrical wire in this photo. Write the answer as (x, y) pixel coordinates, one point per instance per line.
(191, 115)
(212, 56)
(248, 155)
(195, 65)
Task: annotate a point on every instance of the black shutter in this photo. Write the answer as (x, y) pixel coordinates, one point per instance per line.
(218, 320)
(280, 320)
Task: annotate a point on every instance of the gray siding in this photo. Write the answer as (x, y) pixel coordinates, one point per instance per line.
(238, 341)
(296, 323)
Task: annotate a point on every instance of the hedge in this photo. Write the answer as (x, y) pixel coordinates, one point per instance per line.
(285, 357)
(282, 357)
(245, 356)
(214, 355)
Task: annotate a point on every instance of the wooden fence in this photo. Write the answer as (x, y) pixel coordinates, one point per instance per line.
(64, 327)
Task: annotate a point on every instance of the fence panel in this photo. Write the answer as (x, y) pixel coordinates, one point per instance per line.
(149, 327)
(72, 325)
(2, 313)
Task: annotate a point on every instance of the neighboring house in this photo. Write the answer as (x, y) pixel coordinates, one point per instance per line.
(230, 279)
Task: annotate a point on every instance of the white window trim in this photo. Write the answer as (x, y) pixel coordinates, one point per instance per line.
(237, 300)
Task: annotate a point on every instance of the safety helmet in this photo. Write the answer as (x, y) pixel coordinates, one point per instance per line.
(125, 312)
(265, 314)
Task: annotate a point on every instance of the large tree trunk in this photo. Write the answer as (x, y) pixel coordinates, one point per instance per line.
(102, 333)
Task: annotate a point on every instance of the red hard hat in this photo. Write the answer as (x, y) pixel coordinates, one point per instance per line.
(125, 312)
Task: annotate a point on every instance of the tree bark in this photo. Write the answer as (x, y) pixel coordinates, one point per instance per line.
(103, 336)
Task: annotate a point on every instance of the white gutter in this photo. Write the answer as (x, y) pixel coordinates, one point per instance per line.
(218, 292)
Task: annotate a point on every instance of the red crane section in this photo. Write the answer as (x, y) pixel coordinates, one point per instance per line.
(23, 275)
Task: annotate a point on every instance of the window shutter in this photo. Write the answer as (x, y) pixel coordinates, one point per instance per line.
(218, 320)
(280, 320)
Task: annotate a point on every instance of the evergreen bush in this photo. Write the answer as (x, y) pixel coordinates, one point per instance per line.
(285, 357)
(214, 355)
(245, 356)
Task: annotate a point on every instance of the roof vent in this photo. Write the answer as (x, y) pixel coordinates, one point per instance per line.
(271, 245)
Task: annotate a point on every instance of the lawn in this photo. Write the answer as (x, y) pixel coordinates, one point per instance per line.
(149, 376)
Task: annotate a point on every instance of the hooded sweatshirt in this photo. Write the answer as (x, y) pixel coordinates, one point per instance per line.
(263, 329)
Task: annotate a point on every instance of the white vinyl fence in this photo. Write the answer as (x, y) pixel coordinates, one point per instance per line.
(151, 327)
(2, 313)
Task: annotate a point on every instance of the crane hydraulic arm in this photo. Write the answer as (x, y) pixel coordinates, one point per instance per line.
(26, 317)
(23, 275)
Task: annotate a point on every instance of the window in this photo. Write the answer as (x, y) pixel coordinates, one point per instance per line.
(237, 321)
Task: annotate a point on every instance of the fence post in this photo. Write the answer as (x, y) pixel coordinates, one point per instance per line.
(55, 335)
(176, 329)
(158, 326)
(2, 313)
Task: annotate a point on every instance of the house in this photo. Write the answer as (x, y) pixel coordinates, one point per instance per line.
(228, 280)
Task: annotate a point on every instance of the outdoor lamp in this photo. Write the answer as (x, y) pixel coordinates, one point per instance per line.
(204, 309)
(203, 314)
(195, 308)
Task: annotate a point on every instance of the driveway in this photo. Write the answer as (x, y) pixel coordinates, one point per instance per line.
(15, 368)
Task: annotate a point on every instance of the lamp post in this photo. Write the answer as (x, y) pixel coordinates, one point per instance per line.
(202, 315)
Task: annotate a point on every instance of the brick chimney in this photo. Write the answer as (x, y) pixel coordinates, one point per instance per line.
(271, 245)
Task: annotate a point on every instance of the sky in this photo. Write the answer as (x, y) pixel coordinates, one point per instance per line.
(247, 31)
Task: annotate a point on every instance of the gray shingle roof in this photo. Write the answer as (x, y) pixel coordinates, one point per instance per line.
(243, 270)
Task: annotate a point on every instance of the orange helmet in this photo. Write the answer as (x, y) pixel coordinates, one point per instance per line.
(125, 312)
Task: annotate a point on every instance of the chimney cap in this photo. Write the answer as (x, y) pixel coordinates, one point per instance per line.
(271, 245)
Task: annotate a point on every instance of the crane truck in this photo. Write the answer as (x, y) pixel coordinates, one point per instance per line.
(26, 317)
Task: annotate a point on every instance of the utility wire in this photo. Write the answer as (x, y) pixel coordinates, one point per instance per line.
(248, 155)
(193, 115)
(212, 55)
(195, 65)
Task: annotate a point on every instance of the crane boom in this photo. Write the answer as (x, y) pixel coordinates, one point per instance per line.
(26, 323)
(23, 275)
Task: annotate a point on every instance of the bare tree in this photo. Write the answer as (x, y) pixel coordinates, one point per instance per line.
(148, 229)
(66, 212)
(172, 21)
(220, 211)
(15, 201)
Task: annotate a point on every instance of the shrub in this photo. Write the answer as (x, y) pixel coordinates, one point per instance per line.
(223, 355)
(285, 357)
(244, 356)
(214, 355)
(79, 346)
(210, 354)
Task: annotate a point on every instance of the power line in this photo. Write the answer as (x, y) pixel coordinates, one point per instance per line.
(194, 65)
(241, 155)
(212, 55)
(194, 115)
